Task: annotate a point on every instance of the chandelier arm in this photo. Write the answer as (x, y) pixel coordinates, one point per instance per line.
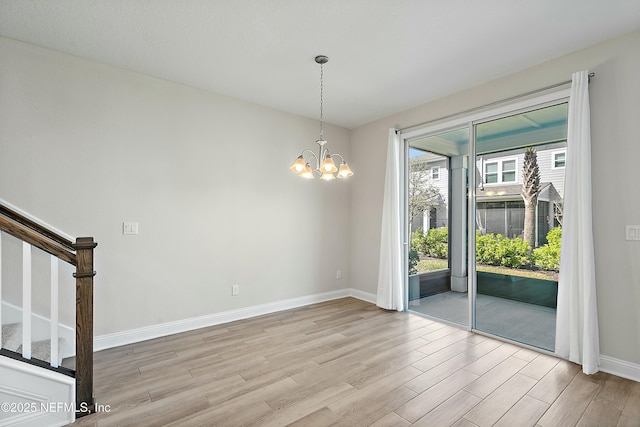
(338, 155)
(311, 153)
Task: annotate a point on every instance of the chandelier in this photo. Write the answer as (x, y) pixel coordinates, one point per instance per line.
(323, 164)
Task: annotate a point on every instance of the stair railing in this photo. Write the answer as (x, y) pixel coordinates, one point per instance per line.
(80, 255)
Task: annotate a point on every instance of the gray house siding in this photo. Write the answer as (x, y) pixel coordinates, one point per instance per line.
(437, 216)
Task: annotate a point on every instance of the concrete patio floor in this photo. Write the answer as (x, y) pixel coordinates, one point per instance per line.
(529, 324)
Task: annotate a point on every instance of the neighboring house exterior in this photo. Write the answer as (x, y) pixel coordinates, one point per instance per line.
(500, 206)
(437, 169)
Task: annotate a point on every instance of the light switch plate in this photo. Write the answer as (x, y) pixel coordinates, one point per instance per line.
(129, 228)
(632, 232)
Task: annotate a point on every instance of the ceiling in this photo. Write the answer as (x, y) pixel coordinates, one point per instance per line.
(385, 56)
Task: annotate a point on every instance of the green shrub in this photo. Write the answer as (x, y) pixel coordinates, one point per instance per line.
(414, 257)
(435, 243)
(413, 261)
(487, 248)
(514, 252)
(495, 249)
(416, 240)
(548, 256)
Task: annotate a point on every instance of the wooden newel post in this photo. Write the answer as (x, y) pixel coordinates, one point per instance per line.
(85, 402)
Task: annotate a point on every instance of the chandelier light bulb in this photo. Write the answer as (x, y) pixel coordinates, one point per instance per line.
(328, 165)
(327, 176)
(298, 165)
(344, 171)
(307, 172)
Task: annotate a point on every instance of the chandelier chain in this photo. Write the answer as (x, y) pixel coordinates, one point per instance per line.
(321, 99)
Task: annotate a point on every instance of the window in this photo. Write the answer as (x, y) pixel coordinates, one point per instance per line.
(509, 171)
(500, 171)
(435, 173)
(559, 159)
(491, 173)
(504, 218)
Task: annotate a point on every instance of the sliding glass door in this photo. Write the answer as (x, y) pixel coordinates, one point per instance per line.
(437, 194)
(484, 208)
(519, 190)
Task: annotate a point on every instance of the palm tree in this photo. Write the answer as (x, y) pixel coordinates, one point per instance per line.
(530, 189)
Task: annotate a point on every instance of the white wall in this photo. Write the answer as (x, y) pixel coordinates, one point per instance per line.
(615, 111)
(85, 146)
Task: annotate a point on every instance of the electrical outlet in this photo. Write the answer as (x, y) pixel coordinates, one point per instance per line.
(235, 290)
(338, 274)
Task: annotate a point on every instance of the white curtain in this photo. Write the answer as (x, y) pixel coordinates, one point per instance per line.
(577, 317)
(390, 290)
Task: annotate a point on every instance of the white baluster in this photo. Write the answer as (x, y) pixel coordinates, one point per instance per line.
(26, 300)
(54, 312)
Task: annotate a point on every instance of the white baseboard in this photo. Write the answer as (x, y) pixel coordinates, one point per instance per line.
(620, 368)
(117, 339)
(362, 295)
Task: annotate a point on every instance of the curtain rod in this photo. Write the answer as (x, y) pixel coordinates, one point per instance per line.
(590, 75)
(493, 104)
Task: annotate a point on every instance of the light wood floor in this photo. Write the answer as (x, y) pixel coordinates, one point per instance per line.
(349, 363)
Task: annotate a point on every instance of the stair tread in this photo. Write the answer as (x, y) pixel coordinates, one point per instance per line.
(12, 336)
(12, 340)
(41, 350)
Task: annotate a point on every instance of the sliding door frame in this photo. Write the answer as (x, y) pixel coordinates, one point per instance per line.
(404, 218)
(469, 119)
